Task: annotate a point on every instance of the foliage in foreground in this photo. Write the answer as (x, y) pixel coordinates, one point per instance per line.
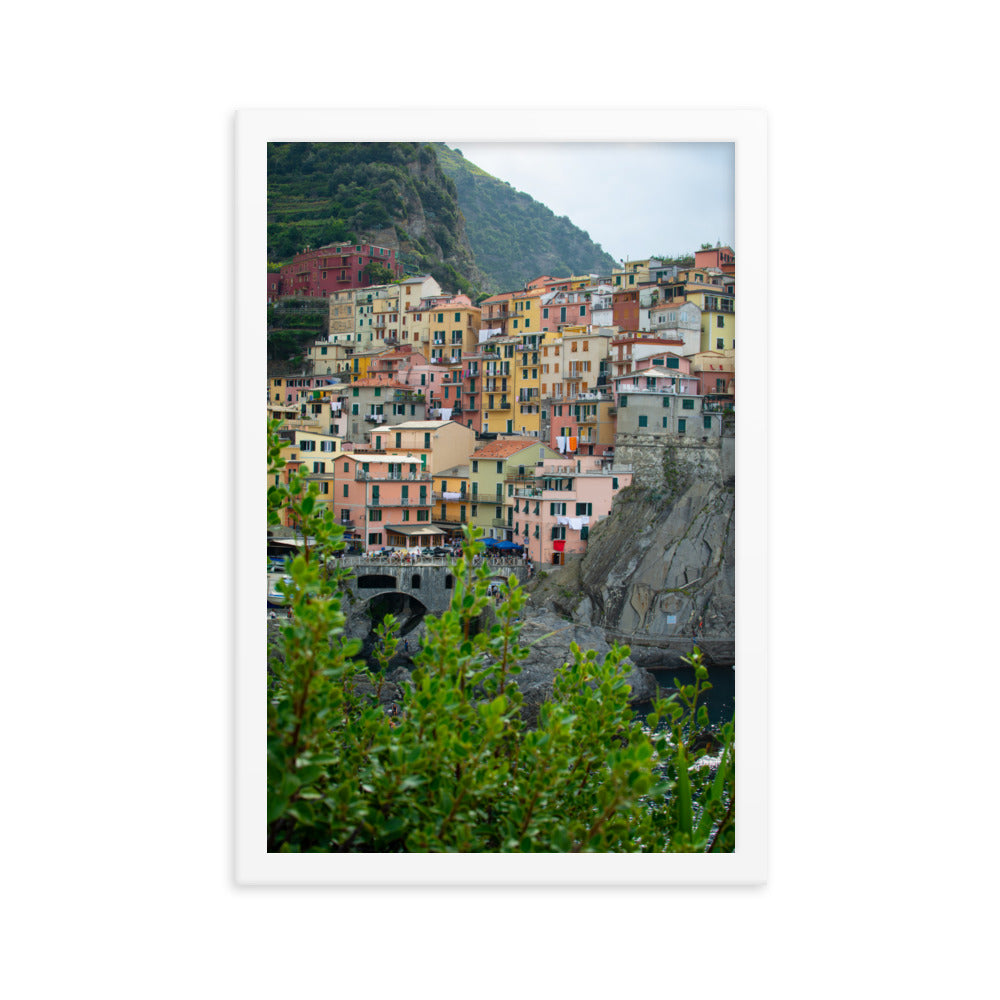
(456, 769)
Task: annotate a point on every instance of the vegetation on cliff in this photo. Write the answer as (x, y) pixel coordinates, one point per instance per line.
(516, 238)
(456, 768)
(393, 194)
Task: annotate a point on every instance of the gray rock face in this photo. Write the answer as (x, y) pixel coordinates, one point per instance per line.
(548, 637)
(654, 568)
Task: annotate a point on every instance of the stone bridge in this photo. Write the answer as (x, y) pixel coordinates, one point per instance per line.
(428, 581)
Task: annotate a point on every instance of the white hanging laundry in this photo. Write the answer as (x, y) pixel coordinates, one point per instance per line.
(562, 519)
(561, 445)
(445, 414)
(576, 523)
(452, 496)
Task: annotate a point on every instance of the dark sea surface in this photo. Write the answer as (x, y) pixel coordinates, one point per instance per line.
(720, 699)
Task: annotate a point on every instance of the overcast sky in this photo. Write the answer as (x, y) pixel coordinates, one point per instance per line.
(635, 199)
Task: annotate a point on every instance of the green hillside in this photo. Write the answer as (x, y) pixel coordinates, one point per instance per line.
(514, 237)
(392, 194)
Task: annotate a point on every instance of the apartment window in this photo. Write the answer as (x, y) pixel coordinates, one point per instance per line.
(499, 466)
(681, 425)
(319, 466)
(666, 421)
(427, 440)
(558, 532)
(706, 422)
(720, 320)
(666, 402)
(623, 400)
(375, 515)
(354, 409)
(643, 422)
(583, 310)
(673, 362)
(475, 468)
(584, 508)
(347, 468)
(719, 342)
(557, 510)
(687, 404)
(375, 538)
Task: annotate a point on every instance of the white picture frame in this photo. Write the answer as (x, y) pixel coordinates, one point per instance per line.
(253, 865)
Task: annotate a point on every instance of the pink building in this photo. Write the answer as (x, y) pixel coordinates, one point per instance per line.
(374, 494)
(561, 309)
(582, 425)
(627, 350)
(555, 509)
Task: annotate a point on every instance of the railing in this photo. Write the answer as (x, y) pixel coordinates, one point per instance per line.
(361, 476)
(402, 502)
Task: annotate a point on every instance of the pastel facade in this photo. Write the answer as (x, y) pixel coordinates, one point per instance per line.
(452, 498)
(436, 445)
(556, 506)
(663, 402)
(375, 403)
(373, 493)
(492, 494)
(497, 393)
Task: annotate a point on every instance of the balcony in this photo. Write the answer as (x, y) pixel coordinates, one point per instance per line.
(402, 396)
(374, 418)
(367, 477)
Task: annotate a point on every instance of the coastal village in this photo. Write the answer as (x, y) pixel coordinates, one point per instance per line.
(421, 411)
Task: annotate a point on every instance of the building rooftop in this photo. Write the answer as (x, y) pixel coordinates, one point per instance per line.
(504, 449)
(421, 425)
(380, 383)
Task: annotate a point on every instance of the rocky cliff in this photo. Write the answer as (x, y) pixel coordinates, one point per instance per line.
(654, 570)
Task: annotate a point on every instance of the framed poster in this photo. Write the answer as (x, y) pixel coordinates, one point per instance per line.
(663, 319)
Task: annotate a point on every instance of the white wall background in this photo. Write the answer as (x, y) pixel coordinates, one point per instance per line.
(116, 734)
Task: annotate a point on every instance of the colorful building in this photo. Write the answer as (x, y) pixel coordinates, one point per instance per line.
(452, 499)
(373, 403)
(332, 268)
(435, 444)
(489, 467)
(557, 503)
(374, 494)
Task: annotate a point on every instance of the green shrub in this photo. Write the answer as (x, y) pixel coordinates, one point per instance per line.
(455, 768)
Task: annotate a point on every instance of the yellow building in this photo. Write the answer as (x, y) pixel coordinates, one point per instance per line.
(451, 326)
(497, 392)
(452, 498)
(528, 382)
(341, 326)
(524, 312)
(714, 293)
(309, 449)
(634, 273)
